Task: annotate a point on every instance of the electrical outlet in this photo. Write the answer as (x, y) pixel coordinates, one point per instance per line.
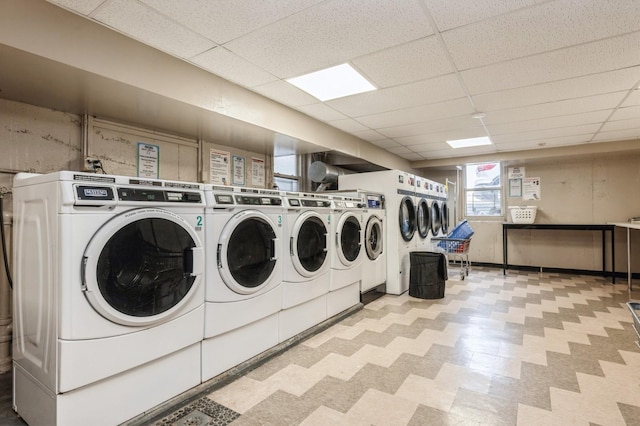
(91, 164)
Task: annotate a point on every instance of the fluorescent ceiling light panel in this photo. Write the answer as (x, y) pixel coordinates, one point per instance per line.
(331, 83)
(466, 143)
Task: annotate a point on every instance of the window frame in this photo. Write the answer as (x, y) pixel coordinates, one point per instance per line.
(484, 189)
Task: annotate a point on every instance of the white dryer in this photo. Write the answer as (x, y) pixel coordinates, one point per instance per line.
(108, 296)
(244, 275)
(423, 213)
(398, 188)
(347, 252)
(307, 248)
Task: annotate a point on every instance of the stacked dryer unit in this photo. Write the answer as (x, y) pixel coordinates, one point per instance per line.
(307, 262)
(398, 187)
(244, 275)
(108, 295)
(346, 253)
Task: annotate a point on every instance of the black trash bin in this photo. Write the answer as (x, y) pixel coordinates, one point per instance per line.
(428, 275)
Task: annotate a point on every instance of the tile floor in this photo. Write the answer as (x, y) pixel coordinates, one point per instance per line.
(525, 349)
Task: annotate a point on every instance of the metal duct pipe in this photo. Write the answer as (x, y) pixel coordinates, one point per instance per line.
(5, 295)
(324, 173)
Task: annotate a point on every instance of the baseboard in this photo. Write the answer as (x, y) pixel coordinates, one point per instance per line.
(557, 270)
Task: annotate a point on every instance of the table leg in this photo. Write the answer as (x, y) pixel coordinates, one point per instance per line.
(504, 251)
(629, 258)
(613, 255)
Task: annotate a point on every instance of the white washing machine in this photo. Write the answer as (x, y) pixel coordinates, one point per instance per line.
(244, 275)
(398, 187)
(439, 210)
(423, 213)
(306, 269)
(108, 295)
(374, 264)
(347, 252)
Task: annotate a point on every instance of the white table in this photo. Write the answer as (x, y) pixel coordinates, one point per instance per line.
(629, 226)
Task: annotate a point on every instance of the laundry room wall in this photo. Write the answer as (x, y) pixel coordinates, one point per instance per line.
(573, 190)
(41, 140)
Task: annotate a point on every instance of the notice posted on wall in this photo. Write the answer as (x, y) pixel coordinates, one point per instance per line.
(219, 167)
(531, 188)
(238, 170)
(257, 172)
(148, 160)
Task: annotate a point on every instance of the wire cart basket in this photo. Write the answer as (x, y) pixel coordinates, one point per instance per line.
(456, 249)
(456, 246)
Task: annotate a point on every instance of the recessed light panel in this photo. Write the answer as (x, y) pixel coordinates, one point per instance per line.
(466, 143)
(331, 83)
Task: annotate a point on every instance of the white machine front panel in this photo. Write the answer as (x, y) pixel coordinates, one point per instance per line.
(348, 238)
(309, 244)
(374, 237)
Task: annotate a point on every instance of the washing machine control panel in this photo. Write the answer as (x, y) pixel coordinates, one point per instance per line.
(155, 195)
(93, 193)
(258, 200)
(315, 203)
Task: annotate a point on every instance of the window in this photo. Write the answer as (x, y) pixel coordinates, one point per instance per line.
(483, 189)
(285, 171)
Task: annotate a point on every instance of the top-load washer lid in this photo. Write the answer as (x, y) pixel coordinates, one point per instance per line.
(142, 266)
(348, 238)
(309, 244)
(373, 237)
(444, 212)
(423, 218)
(247, 252)
(436, 218)
(407, 218)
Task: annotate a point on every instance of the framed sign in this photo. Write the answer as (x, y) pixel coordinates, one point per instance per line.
(238, 173)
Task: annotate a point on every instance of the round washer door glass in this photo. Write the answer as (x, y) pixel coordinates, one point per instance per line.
(247, 252)
(444, 212)
(435, 218)
(373, 237)
(407, 217)
(309, 244)
(349, 235)
(423, 219)
(142, 266)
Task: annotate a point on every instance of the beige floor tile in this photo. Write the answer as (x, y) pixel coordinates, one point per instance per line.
(242, 394)
(338, 366)
(378, 408)
(324, 416)
(427, 392)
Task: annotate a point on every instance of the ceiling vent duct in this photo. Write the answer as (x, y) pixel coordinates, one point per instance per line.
(324, 174)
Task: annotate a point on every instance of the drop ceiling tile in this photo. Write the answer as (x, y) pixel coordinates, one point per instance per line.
(633, 100)
(550, 123)
(549, 26)
(455, 13)
(150, 27)
(587, 129)
(412, 156)
(84, 7)
(418, 114)
(607, 101)
(417, 60)
(400, 97)
(618, 135)
(331, 33)
(386, 143)
(348, 125)
(400, 150)
(322, 112)
(544, 143)
(626, 113)
(460, 152)
(578, 87)
(630, 124)
(370, 135)
(591, 58)
(231, 67)
(455, 123)
(441, 136)
(427, 147)
(285, 93)
(225, 20)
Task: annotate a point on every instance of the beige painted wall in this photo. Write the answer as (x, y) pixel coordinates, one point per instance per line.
(581, 190)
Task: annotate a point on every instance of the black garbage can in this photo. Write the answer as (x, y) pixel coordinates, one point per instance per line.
(428, 274)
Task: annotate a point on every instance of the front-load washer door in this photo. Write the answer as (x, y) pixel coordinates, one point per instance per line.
(142, 267)
(423, 218)
(444, 212)
(373, 237)
(309, 244)
(407, 218)
(436, 218)
(348, 238)
(248, 250)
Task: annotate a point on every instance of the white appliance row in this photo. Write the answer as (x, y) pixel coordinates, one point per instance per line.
(135, 290)
(416, 210)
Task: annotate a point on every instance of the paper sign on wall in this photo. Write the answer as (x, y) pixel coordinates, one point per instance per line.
(219, 167)
(148, 160)
(515, 172)
(238, 170)
(531, 188)
(257, 172)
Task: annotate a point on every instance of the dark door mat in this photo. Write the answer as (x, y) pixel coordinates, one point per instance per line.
(201, 412)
